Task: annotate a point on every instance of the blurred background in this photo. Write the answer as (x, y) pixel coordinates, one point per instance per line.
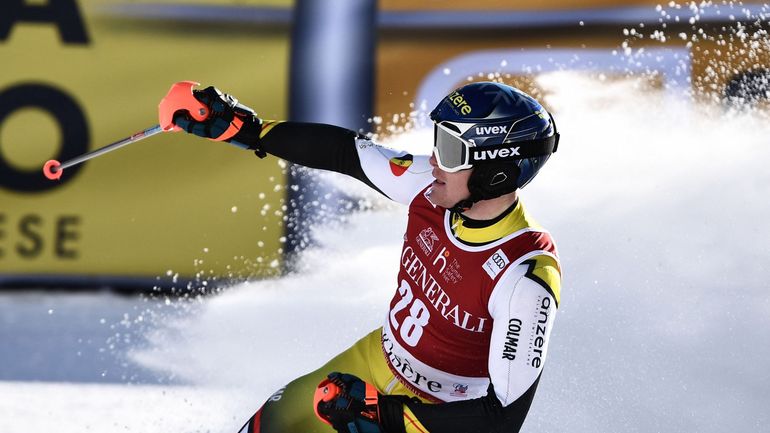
(176, 283)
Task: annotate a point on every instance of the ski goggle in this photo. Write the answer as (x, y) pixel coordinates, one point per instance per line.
(454, 153)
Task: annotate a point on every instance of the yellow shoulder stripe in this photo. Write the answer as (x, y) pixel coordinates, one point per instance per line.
(412, 424)
(546, 271)
(267, 125)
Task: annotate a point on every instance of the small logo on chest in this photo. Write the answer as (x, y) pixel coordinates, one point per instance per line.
(426, 240)
(460, 390)
(448, 267)
(496, 263)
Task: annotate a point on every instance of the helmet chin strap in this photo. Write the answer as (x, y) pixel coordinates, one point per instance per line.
(488, 182)
(467, 203)
(463, 205)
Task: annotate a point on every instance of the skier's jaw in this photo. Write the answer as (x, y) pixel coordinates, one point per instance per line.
(448, 188)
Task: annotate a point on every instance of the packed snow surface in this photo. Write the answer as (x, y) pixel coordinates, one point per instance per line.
(660, 213)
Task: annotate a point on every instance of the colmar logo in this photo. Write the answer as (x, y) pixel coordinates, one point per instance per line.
(399, 164)
(491, 130)
(512, 339)
(481, 155)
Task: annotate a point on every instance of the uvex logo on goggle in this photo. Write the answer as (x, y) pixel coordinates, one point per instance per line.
(481, 154)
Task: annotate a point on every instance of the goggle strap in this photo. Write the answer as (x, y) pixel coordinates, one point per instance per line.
(555, 133)
(515, 150)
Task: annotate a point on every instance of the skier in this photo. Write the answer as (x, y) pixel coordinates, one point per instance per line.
(463, 344)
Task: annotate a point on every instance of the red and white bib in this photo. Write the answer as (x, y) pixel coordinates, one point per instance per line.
(437, 333)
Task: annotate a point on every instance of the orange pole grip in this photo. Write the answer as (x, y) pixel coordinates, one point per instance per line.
(180, 97)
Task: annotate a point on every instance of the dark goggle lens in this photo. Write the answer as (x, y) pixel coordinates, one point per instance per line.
(451, 149)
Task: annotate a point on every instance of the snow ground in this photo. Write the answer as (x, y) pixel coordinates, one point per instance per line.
(661, 217)
(71, 407)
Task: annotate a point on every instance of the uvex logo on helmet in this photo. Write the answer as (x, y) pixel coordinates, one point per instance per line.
(482, 155)
(491, 130)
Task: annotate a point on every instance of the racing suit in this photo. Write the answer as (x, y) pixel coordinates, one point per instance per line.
(466, 335)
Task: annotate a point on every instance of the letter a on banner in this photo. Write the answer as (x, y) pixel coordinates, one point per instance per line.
(64, 14)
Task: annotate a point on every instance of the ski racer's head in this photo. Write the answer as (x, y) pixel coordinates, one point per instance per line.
(501, 133)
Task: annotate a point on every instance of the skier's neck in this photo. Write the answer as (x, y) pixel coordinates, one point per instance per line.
(485, 210)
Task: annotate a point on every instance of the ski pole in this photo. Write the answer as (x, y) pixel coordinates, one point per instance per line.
(53, 169)
(180, 96)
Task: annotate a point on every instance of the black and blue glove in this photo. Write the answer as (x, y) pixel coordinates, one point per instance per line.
(348, 404)
(227, 120)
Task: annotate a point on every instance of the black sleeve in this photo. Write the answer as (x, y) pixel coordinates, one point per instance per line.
(315, 145)
(481, 415)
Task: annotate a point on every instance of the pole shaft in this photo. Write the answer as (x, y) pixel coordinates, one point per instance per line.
(149, 132)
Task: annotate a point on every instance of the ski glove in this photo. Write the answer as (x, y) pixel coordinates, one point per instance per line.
(348, 404)
(228, 120)
(351, 405)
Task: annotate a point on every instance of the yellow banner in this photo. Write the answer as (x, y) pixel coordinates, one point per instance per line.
(76, 78)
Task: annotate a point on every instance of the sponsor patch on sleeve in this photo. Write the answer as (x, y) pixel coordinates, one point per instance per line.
(399, 164)
(496, 263)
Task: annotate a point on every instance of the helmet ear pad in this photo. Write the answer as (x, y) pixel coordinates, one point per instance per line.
(492, 180)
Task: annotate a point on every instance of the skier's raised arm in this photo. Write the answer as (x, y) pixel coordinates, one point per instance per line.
(397, 175)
